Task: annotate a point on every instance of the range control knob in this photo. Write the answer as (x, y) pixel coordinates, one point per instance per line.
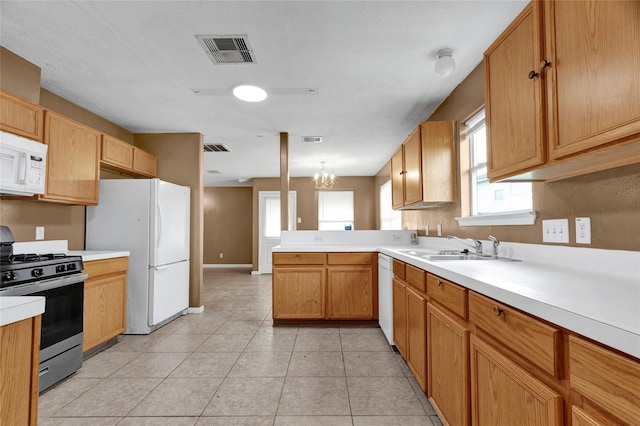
(37, 272)
(60, 268)
(8, 276)
(71, 267)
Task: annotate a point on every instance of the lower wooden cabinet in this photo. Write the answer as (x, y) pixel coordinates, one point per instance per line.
(417, 336)
(331, 286)
(400, 316)
(105, 300)
(448, 365)
(298, 292)
(502, 393)
(19, 368)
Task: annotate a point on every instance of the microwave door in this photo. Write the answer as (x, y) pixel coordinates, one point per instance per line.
(12, 165)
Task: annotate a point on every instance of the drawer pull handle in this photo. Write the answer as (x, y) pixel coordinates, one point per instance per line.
(440, 283)
(497, 310)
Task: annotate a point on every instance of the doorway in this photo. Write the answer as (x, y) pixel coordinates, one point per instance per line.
(269, 225)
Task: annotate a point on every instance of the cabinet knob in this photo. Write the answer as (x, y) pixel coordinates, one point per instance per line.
(497, 310)
(544, 64)
(532, 75)
(439, 283)
(403, 172)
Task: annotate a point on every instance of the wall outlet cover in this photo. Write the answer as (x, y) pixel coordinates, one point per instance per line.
(583, 230)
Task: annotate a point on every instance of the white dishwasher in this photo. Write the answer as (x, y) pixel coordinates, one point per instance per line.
(385, 295)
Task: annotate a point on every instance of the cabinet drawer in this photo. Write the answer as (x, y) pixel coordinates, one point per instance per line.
(398, 269)
(416, 277)
(95, 268)
(349, 258)
(299, 258)
(523, 334)
(448, 294)
(606, 378)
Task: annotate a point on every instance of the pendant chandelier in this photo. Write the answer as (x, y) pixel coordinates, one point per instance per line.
(323, 179)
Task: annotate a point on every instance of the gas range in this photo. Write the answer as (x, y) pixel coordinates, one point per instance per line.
(17, 269)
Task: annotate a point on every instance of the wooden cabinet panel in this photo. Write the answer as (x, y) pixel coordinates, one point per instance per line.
(350, 258)
(529, 337)
(515, 127)
(105, 300)
(21, 117)
(282, 258)
(73, 161)
(144, 163)
(579, 417)
(19, 368)
(412, 159)
(417, 336)
(448, 365)
(298, 293)
(397, 180)
(606, 378)
(416, 278)
(438, 161)
(350, 292)
(593, 85)
(502, 393)
(448, 294)
(116, 153)
(400, 316)
(399, 269)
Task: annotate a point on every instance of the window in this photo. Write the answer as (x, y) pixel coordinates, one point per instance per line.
(389, 218)
(492, 199)
(335, 210)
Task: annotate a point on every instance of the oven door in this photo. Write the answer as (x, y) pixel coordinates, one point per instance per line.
(62, 318)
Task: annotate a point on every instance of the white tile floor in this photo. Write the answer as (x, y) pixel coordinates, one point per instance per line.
(230, 366)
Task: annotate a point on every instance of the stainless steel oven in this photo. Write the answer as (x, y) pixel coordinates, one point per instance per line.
(59, 279)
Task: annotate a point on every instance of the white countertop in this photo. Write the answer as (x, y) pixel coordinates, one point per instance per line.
(61, 246)
(89, 255)
(17, 308)
(595, 293)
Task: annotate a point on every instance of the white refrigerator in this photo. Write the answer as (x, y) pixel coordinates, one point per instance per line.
(150, 219)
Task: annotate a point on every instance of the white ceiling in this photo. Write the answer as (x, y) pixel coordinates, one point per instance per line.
(135, 63)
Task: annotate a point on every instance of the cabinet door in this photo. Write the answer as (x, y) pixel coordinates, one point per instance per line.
(21, 117)
(448, 365)
(594, 87)
(350, 292)
(502, 393)
(144, 163)
(400, 316)
(438, 161)
(105, 302)
(397, 180)
(514, 109)
(116, 153)
(412, 149)
(73, 161)
(298, 293)
(417, 336)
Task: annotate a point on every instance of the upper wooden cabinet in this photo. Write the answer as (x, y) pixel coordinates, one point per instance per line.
(21, 117)
(73, 161)
(562, 92)
(423, 168)
(121, 156)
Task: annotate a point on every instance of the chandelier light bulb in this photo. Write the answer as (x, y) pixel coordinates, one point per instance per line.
(323, 179)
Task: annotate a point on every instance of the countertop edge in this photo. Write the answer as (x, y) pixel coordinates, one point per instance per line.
(90, 255)
(18, 308)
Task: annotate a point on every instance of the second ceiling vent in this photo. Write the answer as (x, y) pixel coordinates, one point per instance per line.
(227, 49)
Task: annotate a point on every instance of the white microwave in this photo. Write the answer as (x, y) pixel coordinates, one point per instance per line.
(23, 164)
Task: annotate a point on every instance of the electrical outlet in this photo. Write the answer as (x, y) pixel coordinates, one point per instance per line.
(555, 231)
(39, 232)
(397, 237)
(317, 239)
(439, 229)
(299, 220)
(583, 230)
(221, 255)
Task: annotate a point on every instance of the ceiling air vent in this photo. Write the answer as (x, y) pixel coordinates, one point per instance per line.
(227, 49)
(216, 148)
(312, 139)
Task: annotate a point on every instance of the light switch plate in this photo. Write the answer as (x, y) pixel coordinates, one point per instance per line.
(583, 230)
(555, 231)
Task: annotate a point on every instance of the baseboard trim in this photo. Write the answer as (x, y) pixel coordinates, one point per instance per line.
(195, 310)
(255, 273)
(227, 265)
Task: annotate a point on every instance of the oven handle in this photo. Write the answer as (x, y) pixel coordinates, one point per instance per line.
(39, 286)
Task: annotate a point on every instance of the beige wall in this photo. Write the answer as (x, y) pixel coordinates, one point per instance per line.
(19, 76)
(365, 196)
(228, 219)
(181, 161)
(610, 198)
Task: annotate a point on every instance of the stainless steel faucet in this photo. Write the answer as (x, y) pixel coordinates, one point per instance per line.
(496, 243)
(477, 245)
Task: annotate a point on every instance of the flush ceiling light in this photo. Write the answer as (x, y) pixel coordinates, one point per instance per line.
(248, 93)
(445, 63)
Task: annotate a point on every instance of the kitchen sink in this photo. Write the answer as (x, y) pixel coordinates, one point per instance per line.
(428, 252)
(444, 255)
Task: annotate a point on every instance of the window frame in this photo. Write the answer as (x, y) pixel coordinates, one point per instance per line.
(342, 221)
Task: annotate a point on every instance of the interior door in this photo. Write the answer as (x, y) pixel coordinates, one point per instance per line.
(269, 225)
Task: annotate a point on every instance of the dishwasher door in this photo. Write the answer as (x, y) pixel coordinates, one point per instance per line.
(385, 295)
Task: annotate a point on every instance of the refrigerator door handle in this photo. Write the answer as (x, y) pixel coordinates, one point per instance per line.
(158, 226)
(160, 268)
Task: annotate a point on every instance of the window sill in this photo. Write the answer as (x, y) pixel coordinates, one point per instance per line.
(526, 217)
